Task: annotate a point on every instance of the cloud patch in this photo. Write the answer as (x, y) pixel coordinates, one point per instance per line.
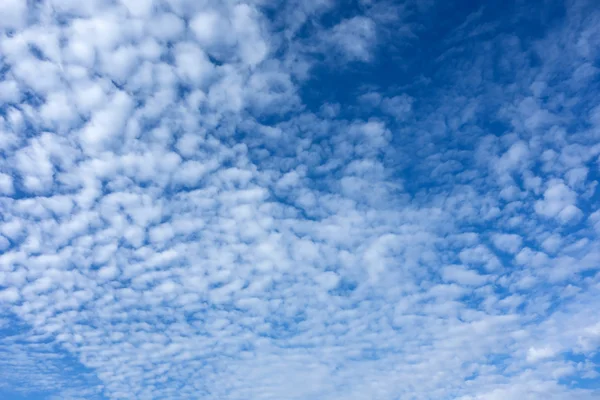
(298, 200)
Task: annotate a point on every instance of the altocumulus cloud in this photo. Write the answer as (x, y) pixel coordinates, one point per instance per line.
(301, 199)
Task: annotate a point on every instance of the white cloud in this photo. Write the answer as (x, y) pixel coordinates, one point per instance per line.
(193, 206)
(559, 202)
(9, 91)
(252, 48)
(463, 276)
(509, 243)
(552, 243)
(108, 272)
(479, 255)
(13, 14)
(537, 354)
(398, 106)
(139, 8)
(167, 26)
(354, 38)
(107, 123)
(192, 64)
(205, 26)
(6, 184)
(237, 34)
(576, 177)
(10, 295)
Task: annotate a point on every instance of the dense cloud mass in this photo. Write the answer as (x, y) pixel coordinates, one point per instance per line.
(302, 199)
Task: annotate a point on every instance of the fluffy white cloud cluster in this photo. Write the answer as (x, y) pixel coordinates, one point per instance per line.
(176, 223)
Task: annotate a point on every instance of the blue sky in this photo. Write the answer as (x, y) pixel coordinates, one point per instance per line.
(299, 200)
